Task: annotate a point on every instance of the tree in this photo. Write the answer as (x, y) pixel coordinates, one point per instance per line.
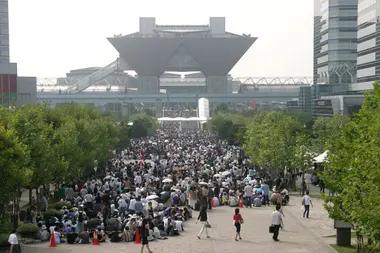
(230, 127)
(13, 168)
(123, 136)
(142, 126)
(327, 129)
(271, 139)
(353, 172)
(33, 131)
(222, 107)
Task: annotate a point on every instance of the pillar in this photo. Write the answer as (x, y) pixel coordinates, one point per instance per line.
(149, 85)
(217, 85)
(159, 109)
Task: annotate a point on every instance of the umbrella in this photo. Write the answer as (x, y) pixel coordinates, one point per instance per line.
(151, 197)
(108, 177)
(154, 204)
(203, 183)
(167, 180)
(217, 175)
(226, 173)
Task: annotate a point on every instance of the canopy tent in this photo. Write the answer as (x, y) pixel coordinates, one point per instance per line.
(179, 119)
(321, 158)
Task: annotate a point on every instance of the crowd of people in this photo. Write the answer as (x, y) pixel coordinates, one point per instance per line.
(150, 190)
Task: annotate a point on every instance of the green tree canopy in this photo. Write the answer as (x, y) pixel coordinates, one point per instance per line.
(271, 139)
(143, 125)
(353, 171)
(13, 168)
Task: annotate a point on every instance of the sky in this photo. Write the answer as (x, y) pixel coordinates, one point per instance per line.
(50, 37)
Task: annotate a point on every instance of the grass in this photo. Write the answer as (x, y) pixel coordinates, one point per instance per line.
(340, 249)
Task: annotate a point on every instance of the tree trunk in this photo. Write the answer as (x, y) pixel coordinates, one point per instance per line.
(30, 195)
(302, 180)
(37, 197)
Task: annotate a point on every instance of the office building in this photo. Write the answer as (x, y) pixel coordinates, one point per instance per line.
(14, 90)
(335, 40)
(4, 31)
(368, 68)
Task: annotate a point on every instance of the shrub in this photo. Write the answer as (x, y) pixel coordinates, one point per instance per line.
(28, 230)
(4, 240)
(60, 204)
(5, 228)
(52, 213)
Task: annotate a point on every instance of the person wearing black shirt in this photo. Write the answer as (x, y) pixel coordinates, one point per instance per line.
(144, 235)
(203, 218)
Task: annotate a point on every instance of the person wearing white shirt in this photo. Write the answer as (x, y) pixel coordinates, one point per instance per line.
(306, 202)
(138, 191)
(132, 208)
(13, 241)
(122, 206)
(276, 222)
(138, 179)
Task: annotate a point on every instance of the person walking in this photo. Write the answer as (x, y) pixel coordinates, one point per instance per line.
(306, 202)
(203, 218)
(238, 220)
(13, 241)
(276, 222)
(144, 235)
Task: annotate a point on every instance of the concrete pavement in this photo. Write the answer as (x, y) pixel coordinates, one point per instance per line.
(300, 235)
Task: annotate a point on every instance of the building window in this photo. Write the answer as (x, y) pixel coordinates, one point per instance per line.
(5, 42)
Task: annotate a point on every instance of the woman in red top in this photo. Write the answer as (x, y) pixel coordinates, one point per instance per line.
(238, 220)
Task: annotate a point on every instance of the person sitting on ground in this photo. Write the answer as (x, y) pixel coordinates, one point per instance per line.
(84, 237)
(57, 236)
(44, 234)
(101, 235)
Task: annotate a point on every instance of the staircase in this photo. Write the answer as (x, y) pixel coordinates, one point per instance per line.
(93, 78)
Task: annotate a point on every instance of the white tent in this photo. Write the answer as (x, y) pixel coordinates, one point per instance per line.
(321, 158)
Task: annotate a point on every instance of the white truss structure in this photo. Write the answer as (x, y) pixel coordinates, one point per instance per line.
(239, 83)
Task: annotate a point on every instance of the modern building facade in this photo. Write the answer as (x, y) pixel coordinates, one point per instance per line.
(4, 31)
(368, 69)
(335, 39)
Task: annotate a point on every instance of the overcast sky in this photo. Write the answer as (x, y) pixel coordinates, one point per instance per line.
(50, 37)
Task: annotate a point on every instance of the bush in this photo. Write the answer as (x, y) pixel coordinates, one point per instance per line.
(60, 204)
(4, 240)
(71, 237)
(52, 213)
(5, 228)
(28, 230)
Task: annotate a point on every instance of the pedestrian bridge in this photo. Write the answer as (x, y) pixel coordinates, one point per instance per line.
(116, 97)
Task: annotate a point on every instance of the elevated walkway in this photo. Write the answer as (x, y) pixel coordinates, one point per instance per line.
(93, 78)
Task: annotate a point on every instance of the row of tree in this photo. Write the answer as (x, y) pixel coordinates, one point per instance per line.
(41, 145)
(275, 140)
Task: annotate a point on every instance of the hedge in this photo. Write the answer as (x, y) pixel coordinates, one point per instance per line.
(28, 230)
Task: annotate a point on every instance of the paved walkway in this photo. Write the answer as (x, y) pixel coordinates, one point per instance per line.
(300, 235)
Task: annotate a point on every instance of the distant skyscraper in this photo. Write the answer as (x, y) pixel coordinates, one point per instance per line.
(4, 31)
(368, 69)
(335, 38)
